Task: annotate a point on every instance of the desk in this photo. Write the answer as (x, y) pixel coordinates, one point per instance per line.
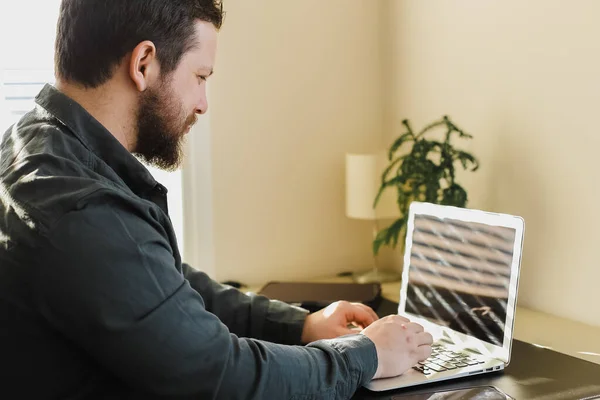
(562, 335)
(535, 372)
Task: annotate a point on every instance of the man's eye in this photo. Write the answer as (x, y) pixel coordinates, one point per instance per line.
(202, 77)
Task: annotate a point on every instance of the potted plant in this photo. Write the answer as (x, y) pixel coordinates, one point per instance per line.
(425, 171)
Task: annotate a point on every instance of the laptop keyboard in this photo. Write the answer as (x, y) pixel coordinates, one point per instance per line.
(444, 359)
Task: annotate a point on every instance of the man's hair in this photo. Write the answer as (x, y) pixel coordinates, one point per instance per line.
(93, 36)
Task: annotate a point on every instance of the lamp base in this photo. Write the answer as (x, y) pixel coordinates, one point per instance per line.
(377, 275)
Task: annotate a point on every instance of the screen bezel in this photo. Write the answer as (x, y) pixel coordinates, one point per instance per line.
(482, 217)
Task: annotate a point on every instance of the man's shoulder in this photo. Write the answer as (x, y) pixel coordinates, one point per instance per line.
(40, 201)
(37, 138)
(46, 172)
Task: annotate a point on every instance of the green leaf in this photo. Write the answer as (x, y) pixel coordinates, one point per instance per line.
(395, 230)
(431, 126)
(406, 123)
(466, 158)
(439, 145)
(421, 148)
(452, 127)
(432, 189)
(454, 195)
(395, 181)
(399, 142)
(388, 236)
(389, 168)
(409, 167)
(401, 201)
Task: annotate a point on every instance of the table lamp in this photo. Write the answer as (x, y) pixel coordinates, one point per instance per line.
(363, 179)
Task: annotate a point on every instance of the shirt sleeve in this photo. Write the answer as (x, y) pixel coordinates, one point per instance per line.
(108, 282)
(249, 315)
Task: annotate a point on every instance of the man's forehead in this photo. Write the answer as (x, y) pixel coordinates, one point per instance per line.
(204, 32)
(203, 45)
(199, 60)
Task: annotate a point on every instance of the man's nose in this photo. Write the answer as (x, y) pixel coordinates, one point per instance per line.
(202, 105)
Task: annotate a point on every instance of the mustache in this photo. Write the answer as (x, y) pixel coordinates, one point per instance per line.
(191, 120)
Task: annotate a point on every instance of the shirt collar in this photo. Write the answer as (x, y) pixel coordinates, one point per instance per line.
(97, 139)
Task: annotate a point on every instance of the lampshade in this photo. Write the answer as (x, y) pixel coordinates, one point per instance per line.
(363, 179)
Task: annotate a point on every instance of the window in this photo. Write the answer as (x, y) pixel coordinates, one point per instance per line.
(18, 88)
(27, 33)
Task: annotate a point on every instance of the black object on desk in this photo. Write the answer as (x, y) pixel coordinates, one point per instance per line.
(534, 373)
(314, 296)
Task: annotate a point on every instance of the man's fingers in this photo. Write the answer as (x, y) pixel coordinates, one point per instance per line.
(424, 339)
(423, 352)
(414, 327)
(358, 315)
(349, 330)
(368, 309)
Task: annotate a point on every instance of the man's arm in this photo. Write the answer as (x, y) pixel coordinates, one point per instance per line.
(248, 315)
(108, 282)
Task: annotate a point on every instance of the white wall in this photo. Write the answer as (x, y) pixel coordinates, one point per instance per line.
(297, 84)
(524, 78)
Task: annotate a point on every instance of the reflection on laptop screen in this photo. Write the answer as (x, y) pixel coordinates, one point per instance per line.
(459, 275)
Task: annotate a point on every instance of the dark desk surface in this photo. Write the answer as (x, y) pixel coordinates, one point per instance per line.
(533, 374)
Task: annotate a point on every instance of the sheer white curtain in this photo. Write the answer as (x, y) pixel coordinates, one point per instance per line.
(27, 33)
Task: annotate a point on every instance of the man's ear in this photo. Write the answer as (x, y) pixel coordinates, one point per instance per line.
(143, 65)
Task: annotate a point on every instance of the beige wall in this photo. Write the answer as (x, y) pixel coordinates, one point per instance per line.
(524, 78)
(297, 85)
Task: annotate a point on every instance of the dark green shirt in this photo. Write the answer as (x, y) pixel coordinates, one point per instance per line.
(96, 303)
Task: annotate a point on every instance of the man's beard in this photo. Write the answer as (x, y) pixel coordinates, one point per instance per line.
(161, 125)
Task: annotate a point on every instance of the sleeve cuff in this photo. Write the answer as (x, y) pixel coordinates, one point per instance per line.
(285, 323)
(360, 354)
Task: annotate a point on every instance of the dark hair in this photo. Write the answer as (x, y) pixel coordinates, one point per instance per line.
(93, 36)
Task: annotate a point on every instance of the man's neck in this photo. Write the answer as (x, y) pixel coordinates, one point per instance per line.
(107, 104)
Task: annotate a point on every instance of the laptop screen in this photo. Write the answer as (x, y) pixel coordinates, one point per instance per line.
(459, 275)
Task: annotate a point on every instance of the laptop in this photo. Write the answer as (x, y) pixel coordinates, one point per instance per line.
(460, 280)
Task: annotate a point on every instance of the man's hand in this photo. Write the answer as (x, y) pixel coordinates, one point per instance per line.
(333, 321)
(400, 345)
